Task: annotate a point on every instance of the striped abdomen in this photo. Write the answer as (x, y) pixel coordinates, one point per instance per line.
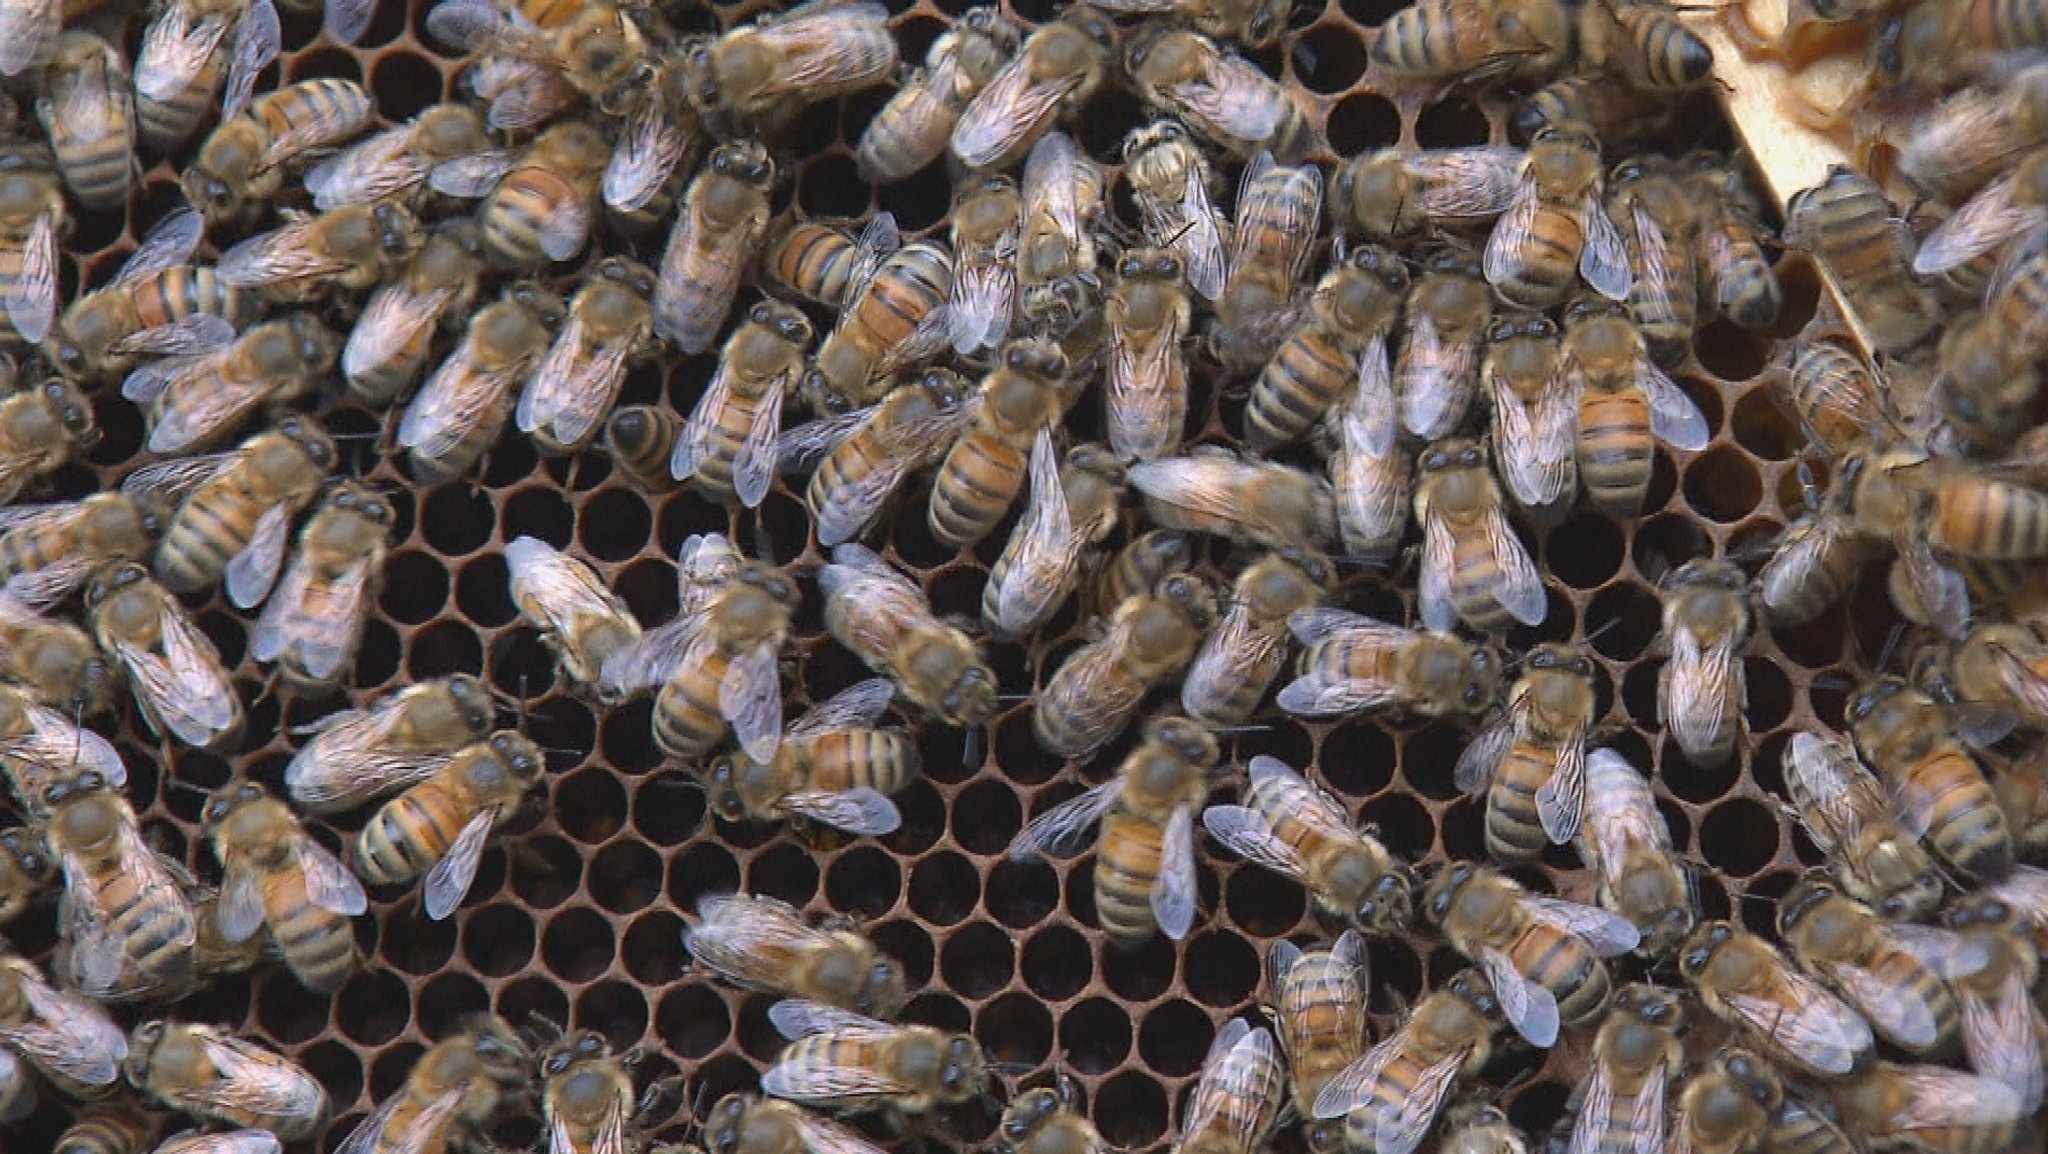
(155, 927)
(1514, 830)
(1475, 574)
(1564, 965)
(1615, 450)
(517, 209)
(815, 260)
(1296, 389)
(165, 124)
(1321, 1012)
(1126, 868)
(687, 721)
(1979, 516)
(318, 106)
(1433, 40)
(976, 485)
(729, 428)
(410, 835)
(1963, 821)
(319, 945)
(209, 529)
(169, 296)
(881, 759)
(1546, 266)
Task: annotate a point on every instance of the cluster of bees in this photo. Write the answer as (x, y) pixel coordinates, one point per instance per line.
(1474, 336)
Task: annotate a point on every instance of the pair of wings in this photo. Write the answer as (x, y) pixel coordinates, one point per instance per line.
(1835, 797)
(824, 1073)
(2003, 1034)
(1191, 226)
(1465, 186)
(1242, 1069)
(253, 570)
(1277, 206)
(30, 297)
(1621, 820)
(862, 810)
(1539, 436)
(99, 960)
(1397, 1129)
(249, 1080)
(519, 75)
(424, 1130)
(700, 274)
(1250, 833)
(1434, 378)
(907, 446)
(290, 253)
(754, 460)
(1231, 98)
(1528, 1006)
(1146, 390)
(357, 756)
(1560, 801)
(1322, 691)
(574, 385)
(1992, 220)
(1372, 478)
(457, 399)
(170, 244)
(191, 400)
(749, 691)
(53, 746)
(317, 620)
(1607, 1107)
(1091, 693)
(395, 320)
(885, 602)
(1804, 1019)
(1237, 653)
(1042, 557)
(751, 941)
(1064, 830)
(379, 167)
(242, 909)
(64, 1032)
(1603, 254)
(1515, 585)
(1054, 174)
(448, 882)
(178, 44)
(561, 232)
(1210, 486)
(1011, 112)
(652, 144)
(1696, 680)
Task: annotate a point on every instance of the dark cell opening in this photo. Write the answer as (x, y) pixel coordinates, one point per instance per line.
(865, 882)
(1021, 895)
(1223, 969)
(449, 1001)
(1263, 903)
(1015, 1028)
(944, 888)
(625, 876)
(652, 950)
(1585, 551)
(498, 940)
(1057, 962)
(1723, 485)
(692, 1020)
(1095, 1035)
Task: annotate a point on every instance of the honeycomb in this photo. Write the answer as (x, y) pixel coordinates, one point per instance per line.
(577, 919)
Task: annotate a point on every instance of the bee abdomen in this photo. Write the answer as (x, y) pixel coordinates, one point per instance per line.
(202, 539)
(1294, 392)
(1474, 574)
(881, 760)
(974, 489)
(513, 216)
(1964, 821)
(405, 839)
(165, 124)
(1126, 868)
(1514, 831)
(320, 946)
(1615, 452)
(687, 722)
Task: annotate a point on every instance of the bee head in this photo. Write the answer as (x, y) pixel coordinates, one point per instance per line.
(1699, 948)
(30, 855)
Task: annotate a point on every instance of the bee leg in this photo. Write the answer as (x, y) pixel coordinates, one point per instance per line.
(662, 1099)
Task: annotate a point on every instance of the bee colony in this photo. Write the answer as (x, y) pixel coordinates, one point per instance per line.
(1336, 575)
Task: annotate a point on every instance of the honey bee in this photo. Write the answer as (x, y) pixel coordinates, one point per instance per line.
(985, 232)
(719, 232)
(192, 401)
(1624, 840)
(1319, 1006)
(653, 155)
(1390, 1098)
(824, 262)
(980, 475)
(1238, 1096)
(1530, 762)
(389, 344)
(1541, 955)
(1221, 97)
(40, 747)
(1932, 508)
(539, 203)
(1702, 690)
(863, 455)
(440, 826)
(173, 669)
(32, 217)
(1986, 389)
(1660, 224)
(1846, 816)
(1534, 400)
(221, 1078)
(1043, 1120)
(452, 1090)
(1474, 568)
(49, 658)
(580, 618)
(1061, 203)
(1992, 965)
(1966, 139)
(191, 52)
(1635, 1054)
(233, 511)
(156, 304)
(1965, 248)
(577, 381)
(1617, 113)
(88, 111)
(1061, 65)
(1277, 212)
(1148, 559)
(396, 162)
(1371, 475)
(274, 873)
(121, 1128)
(1339, 345)
(128, 927)
(356, 246)
(1301, 832)
(535, 64)
(1624, 401)
(1240, 659)
(1874, 967)
(2000, 664)
(747, 1124)
(1145, 855)
(914, 128)
(457, 415)
(1256, 24)
(25, 869)
(64, 1035)
(1735, 273)
(1556, 225)
(1818, 558)
(1835, 395)
(314, 624)
(1930, 1108)
(759, 943)
(641, 440)
(1472, 1128)
(847, 1061)
(42, 426)
(1390, 194)
(1145, 400)
(1149, 641)
(587, 1098)
(755, 78)
(1351, 663)
(1071, 509)
(1728, 1108)
(833, 767)
(1847, 225)
(728, 444)
(1475, 41)
(1919, 748)
(1449, 310)
(1643, 42)
(1743, 981)
(1242, 498)
(896, 319)
(242, 166)
(359, 755)
(1803, 1125)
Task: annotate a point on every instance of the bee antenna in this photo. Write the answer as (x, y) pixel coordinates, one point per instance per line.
(1891, 645)
(1600, 629)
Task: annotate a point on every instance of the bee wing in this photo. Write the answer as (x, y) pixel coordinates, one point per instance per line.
(1561, 800)
(198, 333)
(571, 390)
(347, 20)
(1006, 113)
(1401, 1131)
(1439, 559)
(1603, 261)
(982, 301)
(798, 1018)
(1951, 955)
(816, 48)
(31, 295)
(258, 39)
(1203, 485)
(1609, 935)
(646, 155)
(647, 663)
(197, 690)
(1307, 803)
(1520, 589)
(854, 505)
(1592, 1120)
(1944, 596)
(278, 255)
(1985, 223)
(1228, 95)
(147, 383)
(803, 447)
(238, 911)
(564, 231)
(1050, 174)
(1174, 895)
(354, 766)
(1905, 1020)
(23, 27)
(698, 437)
(1424, 378)
(424, 1129)
(1536, 442)
(1527, 1006)
(1201, 238)
(449, 881)
(1511, 233)
(1247, 833)
(329, 883)
(523, 93)
(825, 1136)
(1097, 698)
(1351, 1087)
(1841, 790)
(2028, 688)
(753, 467)
(1316, 624)
(69, 1034)
(1809, 1021)
(474, 176)
(1803, 549)
(1673, 415)
(1695, 679)
(252, 571)
(750, 697)
(1482, 757)
(861, 811)
(270, 1089)
(169, 244)
(1143, 384)
(1934, 1098)
(1042, 550)
(99, 956)
(174, 51)
(2004, 1039)
(1230, 651)
(859, 706)
(1658, 261)
(452, 403)
(465, 25)
(1064, 830)
(393, 319)
(1373, 406)
(58, 742)
(1469, 183)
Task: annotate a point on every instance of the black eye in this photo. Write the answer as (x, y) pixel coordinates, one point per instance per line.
(759, 314)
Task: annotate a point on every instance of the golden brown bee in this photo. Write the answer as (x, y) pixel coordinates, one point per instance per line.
(362, 754)
(1372, 476)
(40, 747)
(1449, 310)
(987, 219)
(1660, 224)
(587, 1098)
(1255, 24)
(1045, 1121)
(88, 111)
(1533, 394)
(757, 77)
(641, 440)
(1835, 395)
(457, 415)
(26, 868)
(532, 66)
(1619, 114)
(441, 825)
(1918, 746)
(833, 766)
(218, 1077)
(847, 1061)
(540, 202)
(759, 943)
(314, 623)
(1061, 65)
(1541, 955)
(1643, 42)
(863, 455)
(1735, 273)
(1389, 1099)
(353, 247)
(1847, 225)
(1932, 508)
(1238, 1097)
(452, 1090)
(1242, 498)
(1969, 137)
(191, 402)
(1818, 558)
(32, 217)
(242, 166)
(1240, 659)
(42, 426)
(64, 1034)
(1743, 981)
(1530, 762)
(190, 52)
(1475, 41)
(1964, 250)
(1804, 1125)
(653, 155)
(885, 620)
(1145, 399)
(1319, 1007)
(156, 304)
(1472, 1128)
(1846, 815)
(396, 162)
(2003, 665)
(1071, 509)
(1620, 1105)
(274, 874)
(233, 511)
(979, 478)
(1278, 208)
(577, 381)
(1702, 691)
(1303, 833)
(728, 444)
(894, 320)
(1930, 1110)
(114, 1127)
(913, 129)
(719, 232)
(1728, 1107)
(1351, 663)
(1148, 559)
(1875, 968)
(1224, 99)
(1625, 842)
(1145, 852)
(1339, 345)
(389, 344)
(1557, 226)
(52, 660)
(1390, 194)
(1474, 568)
(1171, 181)
(1148, 642)
(1061, 203)
(1993, 965)
(129, 930)
(173, 669)
(1987, 387)
(824, 262)
(580, 618)
(1624, 401)
(747, 1124)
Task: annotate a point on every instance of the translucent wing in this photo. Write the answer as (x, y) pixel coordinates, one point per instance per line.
(804, 447)
(1201, 238)
(648, 151)
(173, 52)
(22, 29)
(1696, 680)
(859, 706)
(452, 403)
(1233, 649)
(321, 132)
(168, 245)
(70, 1035)
(379, 166)
(1519, 589)
(1502, 259)
(347, 20)
(149, 382)
(1561, 801)
(1473, 183)
(423, 1127)
(753, 467)
(474, 176)
(573, 386)
(1042, 548)
(1609, 935)
(31, 294)
(251, 572)
(391, 321)
(465, 25)
(1477, 764)
(796, 1019)
(649, 662)
(698, 438)
(449, 881)
(1174, 892)
(2004, 1039)
(1604, 259)
(238, 913)
(1811, 1023)
(1528, 1007)
(861, 811)
(750, 697)
(1374, 405)
(1439, 555)
(1985, 223)
(1013, 108)
(1247, 833)
(1431, 378)
(1591, 1121)
(282, 254)
(1673, 416)
(1401, 1131)
(982, 301)
(1952, 955)
(1065, 829)
(1535, 442)
(258, 39)
(824, 1136)
(565, 229)
(1933, 1098)
(183, 684)
(329, 884)
(1944, 595)
(1351, 1087)
(275, 1090)
(1905, 1020)
(198, 333)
